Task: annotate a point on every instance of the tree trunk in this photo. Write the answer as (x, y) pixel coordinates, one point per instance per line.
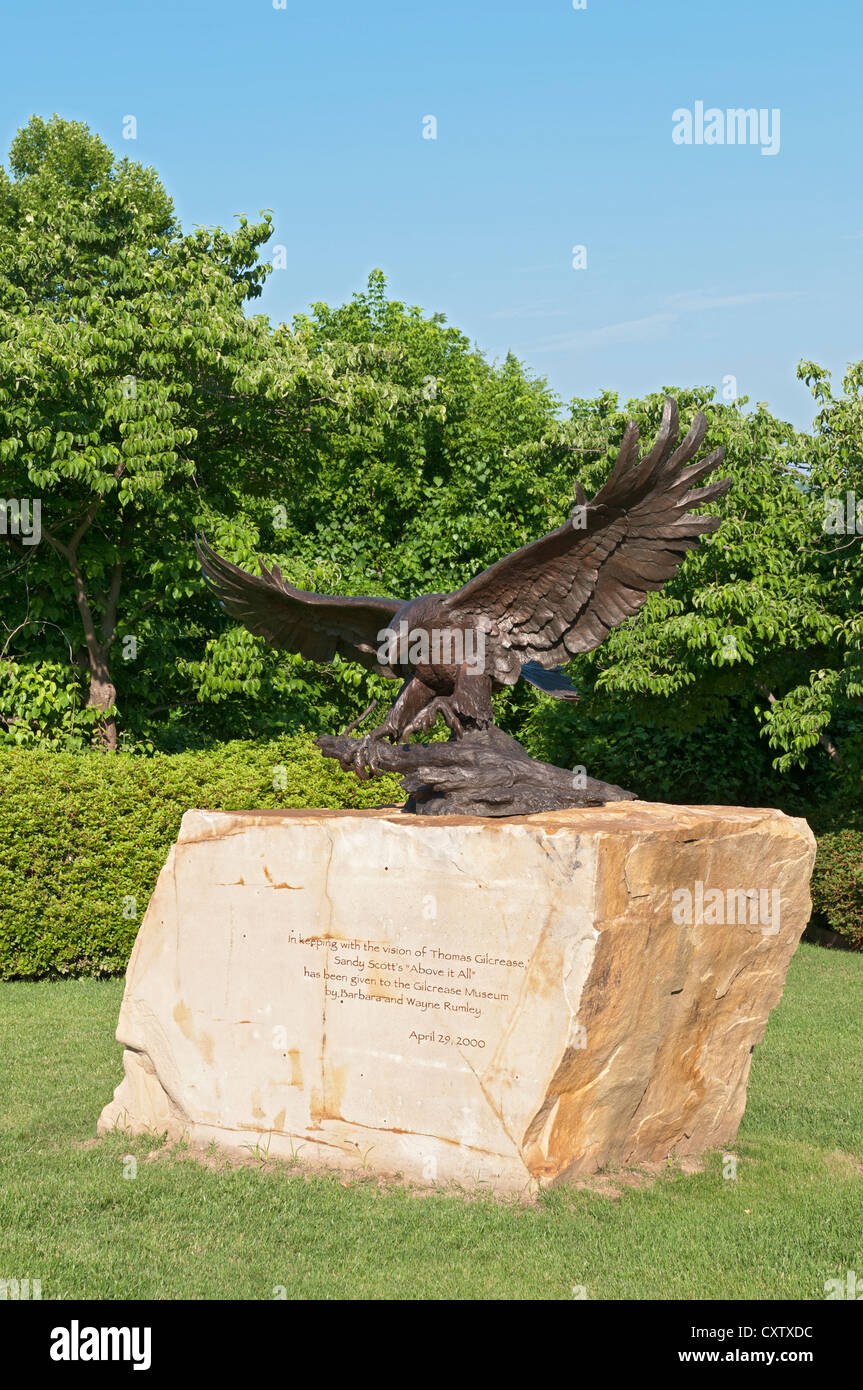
(103, 692)
(103, 696)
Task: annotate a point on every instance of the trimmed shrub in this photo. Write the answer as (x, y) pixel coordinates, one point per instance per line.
(837, 885)
(84, 835)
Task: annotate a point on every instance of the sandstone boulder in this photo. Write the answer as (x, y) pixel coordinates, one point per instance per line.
(504, 1001)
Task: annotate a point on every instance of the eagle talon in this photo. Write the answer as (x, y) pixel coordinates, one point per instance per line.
(364, 760)
(427, 718)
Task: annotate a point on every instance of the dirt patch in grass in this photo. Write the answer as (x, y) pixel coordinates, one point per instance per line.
(610, 1184)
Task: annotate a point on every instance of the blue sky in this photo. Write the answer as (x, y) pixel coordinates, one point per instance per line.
(554, 129)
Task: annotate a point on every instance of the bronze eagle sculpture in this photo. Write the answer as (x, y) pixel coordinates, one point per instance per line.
(522, 617)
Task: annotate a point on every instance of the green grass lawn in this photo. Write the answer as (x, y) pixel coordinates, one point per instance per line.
(181, 1229)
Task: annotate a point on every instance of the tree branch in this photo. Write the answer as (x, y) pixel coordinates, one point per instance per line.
(822, 738)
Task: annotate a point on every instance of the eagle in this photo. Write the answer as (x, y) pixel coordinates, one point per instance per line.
(521, 618)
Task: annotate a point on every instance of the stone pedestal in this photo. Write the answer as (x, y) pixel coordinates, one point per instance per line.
(503, 1001)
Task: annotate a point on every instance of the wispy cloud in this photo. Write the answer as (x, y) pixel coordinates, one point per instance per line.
(697, 302)
(528, 313)
(650, 329)
(647, 330)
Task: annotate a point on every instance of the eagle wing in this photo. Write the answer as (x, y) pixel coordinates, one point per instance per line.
(552, 681)
(563, 593)
(316, 626)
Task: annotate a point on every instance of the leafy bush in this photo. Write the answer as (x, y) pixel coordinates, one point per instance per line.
(641, 744)
(837, 880)
(83, 837)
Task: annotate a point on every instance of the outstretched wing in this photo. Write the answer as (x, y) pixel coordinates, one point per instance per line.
(552, 682)
(563, 593)
(316, 626)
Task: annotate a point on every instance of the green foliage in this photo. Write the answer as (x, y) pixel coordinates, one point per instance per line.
(43, 706)
(636, 744)
(83, 837)
(837, 879)
(115, 330)
(837, 884)
(370, 448)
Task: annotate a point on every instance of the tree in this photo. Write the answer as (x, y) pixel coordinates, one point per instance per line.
(112, 325)
(832, 696)
(139, 403)
(366, 448)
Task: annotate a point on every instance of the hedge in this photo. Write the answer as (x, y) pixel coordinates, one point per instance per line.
(84, 835)
(837, 885)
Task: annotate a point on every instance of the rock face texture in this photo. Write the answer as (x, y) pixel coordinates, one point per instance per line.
(503, 1001)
